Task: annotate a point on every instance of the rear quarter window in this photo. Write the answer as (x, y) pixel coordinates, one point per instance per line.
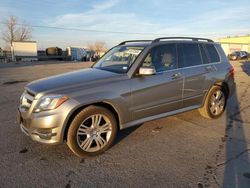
(212, 53)
(204, 55)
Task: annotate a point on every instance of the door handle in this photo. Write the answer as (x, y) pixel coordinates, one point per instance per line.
(208, 68)
(176, 76)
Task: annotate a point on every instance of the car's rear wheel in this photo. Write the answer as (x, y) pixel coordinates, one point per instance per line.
(92, 131)
(215, 103)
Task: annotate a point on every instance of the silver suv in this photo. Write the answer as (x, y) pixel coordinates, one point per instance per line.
(134, 82)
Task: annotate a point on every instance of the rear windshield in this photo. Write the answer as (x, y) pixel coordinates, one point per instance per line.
(119, 59)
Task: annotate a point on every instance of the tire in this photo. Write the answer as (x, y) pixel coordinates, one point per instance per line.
(96, 135)
(208, 110)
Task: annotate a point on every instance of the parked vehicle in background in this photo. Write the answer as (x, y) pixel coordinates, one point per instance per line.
(54, 51)
(238, 55)
(134, 82)
(76, 53)
(247, 54)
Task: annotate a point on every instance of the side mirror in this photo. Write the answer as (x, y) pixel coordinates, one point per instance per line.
(146, 71)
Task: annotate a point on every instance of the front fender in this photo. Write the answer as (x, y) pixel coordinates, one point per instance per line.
(118, 103)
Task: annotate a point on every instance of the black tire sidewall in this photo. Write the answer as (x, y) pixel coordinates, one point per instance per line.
(80, 117)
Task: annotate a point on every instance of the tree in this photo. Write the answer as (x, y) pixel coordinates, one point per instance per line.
(98, 47)
(91, 47)
(15, 31)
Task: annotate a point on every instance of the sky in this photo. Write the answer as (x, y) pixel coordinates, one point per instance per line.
(140, 19)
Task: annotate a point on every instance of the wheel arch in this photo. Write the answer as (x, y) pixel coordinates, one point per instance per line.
(222, 84)
(104, 104)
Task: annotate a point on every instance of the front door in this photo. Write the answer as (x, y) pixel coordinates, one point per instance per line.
(159, 93)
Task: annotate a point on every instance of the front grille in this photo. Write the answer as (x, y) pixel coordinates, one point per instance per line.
(27, 99)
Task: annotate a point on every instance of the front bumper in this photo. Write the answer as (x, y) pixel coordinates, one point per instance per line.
(46, 129)
(47, 126)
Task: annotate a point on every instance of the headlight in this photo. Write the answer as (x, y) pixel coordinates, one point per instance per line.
(50, 102)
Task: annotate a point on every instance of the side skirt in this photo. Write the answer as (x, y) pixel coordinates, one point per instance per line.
(150, 118)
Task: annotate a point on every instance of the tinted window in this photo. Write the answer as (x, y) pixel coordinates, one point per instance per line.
(212, 53)
(189, 55)
(162, 58)
(204, 55)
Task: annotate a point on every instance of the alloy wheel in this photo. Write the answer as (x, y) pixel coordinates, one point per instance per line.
(94, 133)
(217, 102)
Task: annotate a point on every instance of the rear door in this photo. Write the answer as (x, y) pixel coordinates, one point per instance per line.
(159, 93)
(195, 67)
(210, 58)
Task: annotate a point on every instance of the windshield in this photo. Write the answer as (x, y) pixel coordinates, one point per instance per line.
(119, 59)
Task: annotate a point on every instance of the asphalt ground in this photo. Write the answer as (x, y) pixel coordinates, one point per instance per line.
(185, 150)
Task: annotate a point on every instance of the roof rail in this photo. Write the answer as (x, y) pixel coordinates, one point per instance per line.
(131, 41)
(190, 38)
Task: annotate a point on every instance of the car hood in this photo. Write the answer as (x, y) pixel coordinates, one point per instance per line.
(69, 80)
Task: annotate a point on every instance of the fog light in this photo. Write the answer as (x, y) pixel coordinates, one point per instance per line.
(44, 133)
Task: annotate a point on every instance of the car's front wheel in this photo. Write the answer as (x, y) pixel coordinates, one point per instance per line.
(92, 131)
(215, 103)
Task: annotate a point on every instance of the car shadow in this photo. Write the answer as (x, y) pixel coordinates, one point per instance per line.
(245, 65)
(236, 164)
(124, 133)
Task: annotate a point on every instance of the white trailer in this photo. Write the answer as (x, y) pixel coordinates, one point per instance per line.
(25, 50)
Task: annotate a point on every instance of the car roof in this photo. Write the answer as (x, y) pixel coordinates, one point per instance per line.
(164, 39)
(161, 40)
(145, 44)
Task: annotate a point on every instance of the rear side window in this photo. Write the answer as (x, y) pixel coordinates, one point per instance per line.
(212, 53)
(204, 55)
(188, 55)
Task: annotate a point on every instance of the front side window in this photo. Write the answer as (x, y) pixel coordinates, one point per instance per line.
(119, 59)
(212, 53)
(161, 58)
(188, 55)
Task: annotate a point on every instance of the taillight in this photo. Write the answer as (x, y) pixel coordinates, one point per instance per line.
(231, 71)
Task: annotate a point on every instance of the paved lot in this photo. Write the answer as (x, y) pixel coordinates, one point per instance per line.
(184, 150)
